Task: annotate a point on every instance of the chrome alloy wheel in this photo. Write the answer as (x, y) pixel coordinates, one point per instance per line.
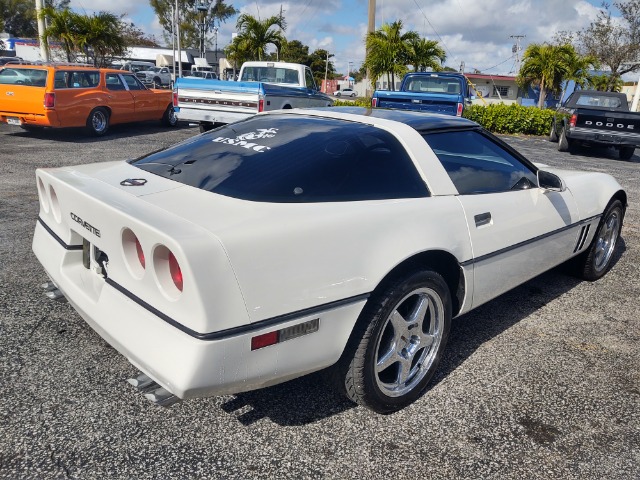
(606, 240)
(409, 342)
(99, 121)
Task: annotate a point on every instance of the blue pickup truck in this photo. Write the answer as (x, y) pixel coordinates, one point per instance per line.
(434, 92)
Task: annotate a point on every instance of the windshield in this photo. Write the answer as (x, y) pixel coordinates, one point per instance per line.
(433, 84)
(23, 76)
(270, 75)
(595, 100)
(286, 158)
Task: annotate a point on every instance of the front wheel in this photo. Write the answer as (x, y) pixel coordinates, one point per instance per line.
(338, 94)
(397, 344)
(98, 122)
(596, 261)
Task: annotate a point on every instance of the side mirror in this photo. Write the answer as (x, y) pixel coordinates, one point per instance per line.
(550, 181)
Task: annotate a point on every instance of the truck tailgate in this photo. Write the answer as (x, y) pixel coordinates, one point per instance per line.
(236, 97)
(617, 122)
(435, 103)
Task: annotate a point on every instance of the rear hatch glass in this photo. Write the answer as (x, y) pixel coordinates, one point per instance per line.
(287, 158)
(30, 77)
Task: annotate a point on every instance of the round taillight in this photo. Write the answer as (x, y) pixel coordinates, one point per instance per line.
(133, 253)
(140, 252)
(55, 204)
(174, 270)
(168, 272)
(42, 193)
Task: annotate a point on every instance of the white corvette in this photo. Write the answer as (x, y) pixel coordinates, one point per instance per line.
(297, 240)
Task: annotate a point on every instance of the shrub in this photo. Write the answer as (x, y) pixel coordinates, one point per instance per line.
(358, 102)
(501, 118)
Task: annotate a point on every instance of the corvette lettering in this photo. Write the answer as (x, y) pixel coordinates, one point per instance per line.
(85, 225)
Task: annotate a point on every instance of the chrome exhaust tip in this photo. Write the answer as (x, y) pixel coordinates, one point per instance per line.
(143, 383)
(162, 397)
(55, 294)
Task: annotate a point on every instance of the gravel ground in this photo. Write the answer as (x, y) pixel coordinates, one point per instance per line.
(542, 382)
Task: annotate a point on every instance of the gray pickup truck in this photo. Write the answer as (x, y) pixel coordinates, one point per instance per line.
(589, 117)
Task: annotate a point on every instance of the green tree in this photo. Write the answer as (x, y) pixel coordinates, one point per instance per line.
(63, 26)
(254, 36)
(424, 54)
(190, 18)
(545, 66)
(19, 16)
(603, 83)
(100, 37)
(134, 36)
(615, 42)
(295, 51)
(318, 64)
(388, 51)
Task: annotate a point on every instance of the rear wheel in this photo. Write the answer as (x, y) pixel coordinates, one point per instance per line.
(625, 153)
(596, 261)
(338, 94)
(564, 144)
(397, 344)
(169, 118)
(98, 122)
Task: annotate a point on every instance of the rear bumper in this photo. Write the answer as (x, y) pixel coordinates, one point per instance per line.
(604, 137)
(187, 366)
(187, 114)
(48, 119)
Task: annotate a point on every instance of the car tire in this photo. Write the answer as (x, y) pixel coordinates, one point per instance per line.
(564, 144)
(98, 122)
(353, 94)
(205, 127)
(625, 153)
(169, 118)
(397, 343)
(338, 94)
(553, 135)
(596, 261)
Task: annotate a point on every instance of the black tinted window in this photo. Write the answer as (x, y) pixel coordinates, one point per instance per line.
(285, 158)
(478, 165)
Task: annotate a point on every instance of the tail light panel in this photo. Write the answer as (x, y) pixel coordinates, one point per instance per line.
(459, 110)
(374, 102)
(49, 100)
(574, 120)
(167, 272)
(175, 98)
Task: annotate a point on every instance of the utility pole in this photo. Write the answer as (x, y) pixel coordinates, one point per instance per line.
(326, 69)
(371, 27)
(44, 47)
(179, 42)
(516, 49)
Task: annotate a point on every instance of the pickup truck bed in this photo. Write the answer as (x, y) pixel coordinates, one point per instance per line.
(596, 118)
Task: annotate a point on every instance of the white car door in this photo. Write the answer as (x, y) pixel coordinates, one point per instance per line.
(517, 230)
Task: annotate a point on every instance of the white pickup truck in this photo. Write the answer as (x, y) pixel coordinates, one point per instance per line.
(262, 86)
(155, 76)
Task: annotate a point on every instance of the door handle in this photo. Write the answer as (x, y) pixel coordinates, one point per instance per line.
(482, 219)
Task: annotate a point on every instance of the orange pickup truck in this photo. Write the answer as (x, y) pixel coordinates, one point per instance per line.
(65, 95)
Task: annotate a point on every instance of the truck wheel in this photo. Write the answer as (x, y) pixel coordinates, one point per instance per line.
(564, 144)
(625, 153)
(157, 83)
(98, 122)
(553, 136)
(397, 343)
(169, 118)
(205, 126)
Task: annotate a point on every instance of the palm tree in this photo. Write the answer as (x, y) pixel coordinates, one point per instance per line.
(62, 26)
(255, 35)
(388, 51)
(546, 66)
(603, 83)
(101, 37)
(425, 54)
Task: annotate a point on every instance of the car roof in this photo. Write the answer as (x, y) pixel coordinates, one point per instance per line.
(419, 121)
(63, 66)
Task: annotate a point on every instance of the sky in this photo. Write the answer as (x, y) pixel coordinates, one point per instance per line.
(476, 32)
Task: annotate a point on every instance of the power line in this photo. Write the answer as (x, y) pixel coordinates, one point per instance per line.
(434, 30)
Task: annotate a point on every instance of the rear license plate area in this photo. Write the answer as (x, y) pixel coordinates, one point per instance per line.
(14, 121)
(91, 253)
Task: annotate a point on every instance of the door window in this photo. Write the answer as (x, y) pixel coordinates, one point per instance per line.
(113, 82)
(477, 164)
(133, 83)
(311, 83)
